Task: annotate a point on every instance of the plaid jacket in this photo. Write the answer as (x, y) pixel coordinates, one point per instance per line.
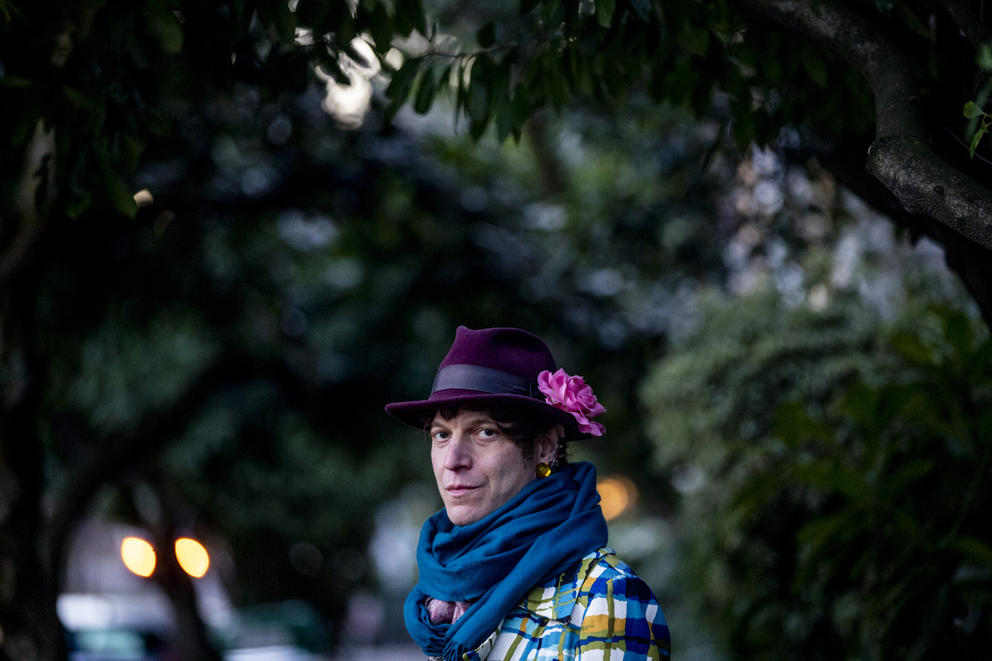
(600, 612)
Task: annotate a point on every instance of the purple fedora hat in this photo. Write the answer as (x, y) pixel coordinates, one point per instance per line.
(505, 365)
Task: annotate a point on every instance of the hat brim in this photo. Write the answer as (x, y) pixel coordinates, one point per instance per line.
(416, 413)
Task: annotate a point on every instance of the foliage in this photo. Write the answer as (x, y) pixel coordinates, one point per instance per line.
(680, 52)
(834, 477)
(248, 323)
(104, 80)
(973, 109)
(290, 277)
(843, 79)
(895, 552)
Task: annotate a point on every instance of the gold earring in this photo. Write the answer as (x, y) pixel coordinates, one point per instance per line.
(543, 470)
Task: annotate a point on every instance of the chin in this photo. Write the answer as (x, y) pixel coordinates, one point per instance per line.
(460, 517)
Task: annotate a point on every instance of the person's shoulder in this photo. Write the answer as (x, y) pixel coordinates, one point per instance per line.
(605, 564)
(599, 573)
(607, 574)
(555, 598)
(616, 608)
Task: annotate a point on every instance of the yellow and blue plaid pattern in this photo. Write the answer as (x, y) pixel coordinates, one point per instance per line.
(601, 612)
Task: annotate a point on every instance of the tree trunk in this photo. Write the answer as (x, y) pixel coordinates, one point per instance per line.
(29, 625)
(191, 639)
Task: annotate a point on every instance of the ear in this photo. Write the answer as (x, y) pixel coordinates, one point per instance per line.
(546, 447)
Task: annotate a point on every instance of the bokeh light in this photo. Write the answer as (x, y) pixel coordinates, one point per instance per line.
(192, 557)
(138, 556)
(617, 494)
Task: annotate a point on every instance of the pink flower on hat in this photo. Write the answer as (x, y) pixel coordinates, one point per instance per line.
(571, 394)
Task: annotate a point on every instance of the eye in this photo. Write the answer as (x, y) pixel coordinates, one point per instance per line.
(440, 435)
(488, 433)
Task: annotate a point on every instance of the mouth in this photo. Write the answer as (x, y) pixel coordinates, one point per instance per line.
(457, 490)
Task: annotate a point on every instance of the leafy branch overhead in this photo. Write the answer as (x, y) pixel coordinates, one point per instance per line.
(863, 79)
(973, 109)
(873, 90)
(886, 79)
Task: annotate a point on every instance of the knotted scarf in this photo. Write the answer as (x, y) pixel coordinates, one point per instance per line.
(551, 524)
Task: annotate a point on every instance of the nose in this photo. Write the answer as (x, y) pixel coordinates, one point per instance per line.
(458, 455)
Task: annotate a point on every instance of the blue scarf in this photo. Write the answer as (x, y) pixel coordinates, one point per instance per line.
(550, 525)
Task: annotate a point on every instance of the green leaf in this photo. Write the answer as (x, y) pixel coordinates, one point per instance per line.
(974, 549)
(971, 110)
(912, 348)
(834, 478)
(860, 403)
(975, 139)
(163, 25)
(504, 122)
(476, 129)
(604, 12)
(81, 102)
(959, 333)
(15, 82)
(401, 81)
(985, 57)
(381, 28)
(425, 93)
(120, 196)
(794, 425)
(79, 202)
(346, 31)
(477, 100)
(486, 35)
(399, 87)
(913, 22)
(410, 16)
(521, 106)
(694, 40)
(579, 67)
(906, 476)
(814, 65)
(825, 530)
(756, 493)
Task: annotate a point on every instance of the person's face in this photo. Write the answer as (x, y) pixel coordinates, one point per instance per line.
(477, 467)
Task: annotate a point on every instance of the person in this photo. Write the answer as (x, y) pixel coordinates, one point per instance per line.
(516, 565)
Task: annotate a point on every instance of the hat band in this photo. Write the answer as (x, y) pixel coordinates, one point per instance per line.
(483, 379)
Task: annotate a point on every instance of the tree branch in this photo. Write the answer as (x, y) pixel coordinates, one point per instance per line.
(38, 170)
(900, 158)
(926, 185)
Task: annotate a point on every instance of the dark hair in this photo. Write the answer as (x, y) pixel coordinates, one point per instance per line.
(520, 426)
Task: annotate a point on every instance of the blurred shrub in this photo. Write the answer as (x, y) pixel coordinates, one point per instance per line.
(835, 472)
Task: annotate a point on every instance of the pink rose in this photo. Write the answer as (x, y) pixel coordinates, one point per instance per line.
(571, 394)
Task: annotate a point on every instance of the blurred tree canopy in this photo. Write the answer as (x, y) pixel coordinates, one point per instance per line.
(214, 355)
(834, 469)
(216, 360)
(874, 90)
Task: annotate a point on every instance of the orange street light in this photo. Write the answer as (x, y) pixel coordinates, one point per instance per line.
(192, 557)
(138, 556)
(617, 495)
